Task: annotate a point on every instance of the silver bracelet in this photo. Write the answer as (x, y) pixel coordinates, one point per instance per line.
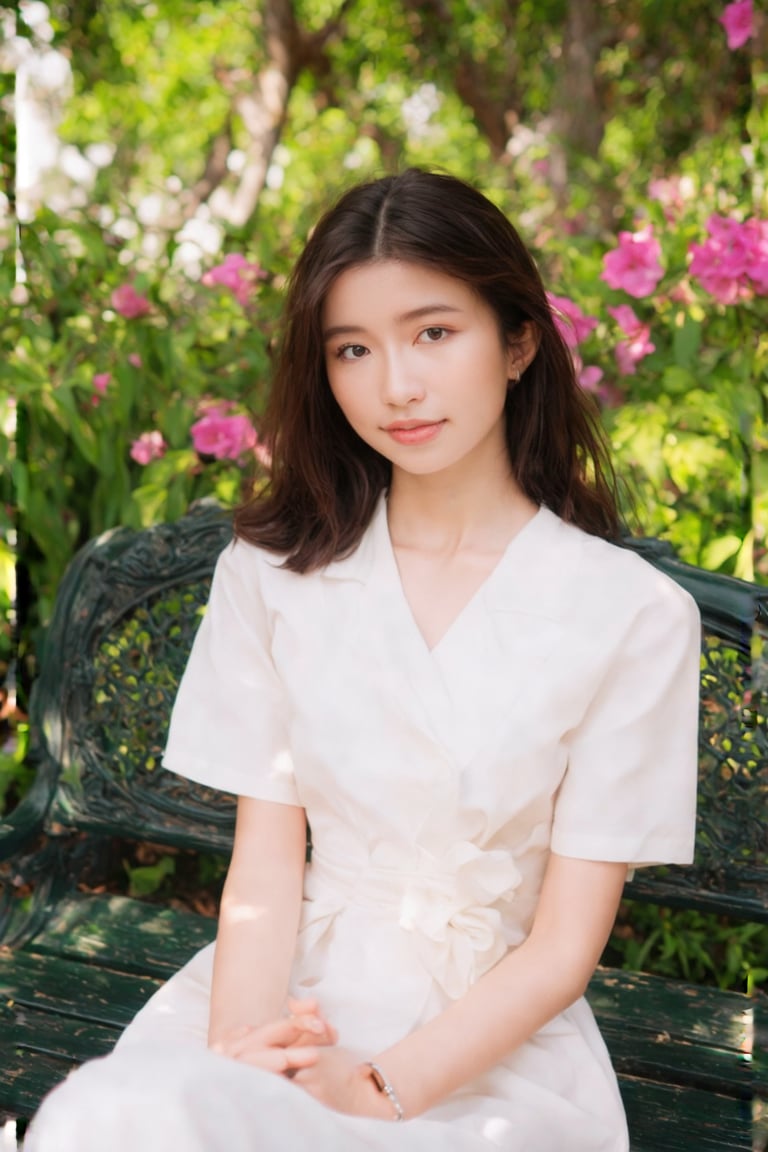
(382, 1083)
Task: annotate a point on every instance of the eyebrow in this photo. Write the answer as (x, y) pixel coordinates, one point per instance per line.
(403, 318)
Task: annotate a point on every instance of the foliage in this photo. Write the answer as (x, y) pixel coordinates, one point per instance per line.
(694, 946)
(148, 879)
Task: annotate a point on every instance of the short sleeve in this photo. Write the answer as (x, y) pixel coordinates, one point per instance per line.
(629, 790)
(229, 725)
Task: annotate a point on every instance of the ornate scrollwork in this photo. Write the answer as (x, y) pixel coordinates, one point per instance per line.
(125, 619)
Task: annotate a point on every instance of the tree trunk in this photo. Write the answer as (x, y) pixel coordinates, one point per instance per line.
(579, 121)
(262, 110)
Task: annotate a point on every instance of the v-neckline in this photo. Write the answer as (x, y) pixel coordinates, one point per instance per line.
(467, 607)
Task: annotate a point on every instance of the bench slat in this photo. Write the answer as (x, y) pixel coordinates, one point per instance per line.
(66, 988)
(666, 1119)
(50, 1035)
(118, 932)
(94, 958)
(661, 1119)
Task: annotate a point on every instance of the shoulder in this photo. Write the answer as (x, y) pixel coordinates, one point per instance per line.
(612, 583)
(253, 571)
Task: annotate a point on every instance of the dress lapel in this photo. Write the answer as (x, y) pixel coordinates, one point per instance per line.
(510, 631)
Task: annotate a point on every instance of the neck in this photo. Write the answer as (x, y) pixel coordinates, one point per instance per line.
(447, 513)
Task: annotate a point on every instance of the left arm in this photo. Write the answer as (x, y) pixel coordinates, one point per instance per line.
(529, 987)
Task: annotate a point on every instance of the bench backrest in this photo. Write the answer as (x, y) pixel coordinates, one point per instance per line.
(124, 620)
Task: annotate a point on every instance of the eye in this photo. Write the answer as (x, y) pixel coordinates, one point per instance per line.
(432, 335)
(352, 352)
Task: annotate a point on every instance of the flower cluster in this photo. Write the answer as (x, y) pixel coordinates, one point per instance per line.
(574, 326)
(222, 435)
(732, 263)
(130, 303)
(737, 19)
(635, 265)
(100, 384)
(149, 446)
(237, 274)
(636, 344)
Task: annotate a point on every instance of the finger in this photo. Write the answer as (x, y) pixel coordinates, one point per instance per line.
(229, 1039)
(280, 1060)
(301, 1007)
(323, 1039)
(278, 1034)
(297, 1058)
(282, 1032)
(256, 1041)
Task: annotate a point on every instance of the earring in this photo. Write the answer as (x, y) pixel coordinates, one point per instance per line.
(515, 377)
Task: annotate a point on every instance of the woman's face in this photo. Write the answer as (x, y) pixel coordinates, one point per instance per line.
(419, 367)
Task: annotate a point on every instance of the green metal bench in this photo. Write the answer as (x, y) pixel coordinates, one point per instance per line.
(76, 965)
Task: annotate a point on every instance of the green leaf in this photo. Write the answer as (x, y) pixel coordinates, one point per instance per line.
(146, 879)
(717, 552)
(686, 341)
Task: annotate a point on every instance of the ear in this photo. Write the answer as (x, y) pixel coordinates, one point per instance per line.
(521, 349)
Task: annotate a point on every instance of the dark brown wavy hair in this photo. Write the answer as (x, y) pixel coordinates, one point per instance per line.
(324, 480)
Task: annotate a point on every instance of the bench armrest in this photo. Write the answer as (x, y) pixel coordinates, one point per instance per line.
(19, 827)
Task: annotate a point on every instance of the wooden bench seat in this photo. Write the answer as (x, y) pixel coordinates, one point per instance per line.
(76, 965)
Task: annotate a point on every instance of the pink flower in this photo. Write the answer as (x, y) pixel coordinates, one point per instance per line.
(590, 377)
(637, 346)
(135, 360)
(756, 231)
(215, 407)
(738, 23)
(682, 293)
(671, 192)
(635, 265)
(130, 303)
(237, 274)
(625, 318)
(572, 324)
(224, 437)
(101, 381)
(732, 262)
(149, 446)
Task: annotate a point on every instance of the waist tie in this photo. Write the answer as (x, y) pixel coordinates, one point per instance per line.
(445, 901)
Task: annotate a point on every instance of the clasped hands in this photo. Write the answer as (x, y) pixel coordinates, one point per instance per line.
(303, 1046)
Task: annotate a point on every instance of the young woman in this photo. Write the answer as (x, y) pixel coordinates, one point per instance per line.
(424, 642)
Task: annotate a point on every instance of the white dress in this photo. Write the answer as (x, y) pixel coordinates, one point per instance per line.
(558, 712)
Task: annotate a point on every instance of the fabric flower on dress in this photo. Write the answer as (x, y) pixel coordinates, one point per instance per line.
(447, 902)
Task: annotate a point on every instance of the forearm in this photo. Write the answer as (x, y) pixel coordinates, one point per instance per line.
(529, 987)
(504, 1009)
(259, 917)
(255, 944)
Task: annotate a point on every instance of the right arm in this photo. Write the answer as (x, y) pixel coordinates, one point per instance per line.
(258, 919)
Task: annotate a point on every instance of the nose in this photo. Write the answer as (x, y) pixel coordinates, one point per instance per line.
(401, 383)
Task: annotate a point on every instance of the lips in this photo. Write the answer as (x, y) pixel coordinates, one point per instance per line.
(414, 431)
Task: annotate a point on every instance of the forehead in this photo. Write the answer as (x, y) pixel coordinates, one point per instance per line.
(387, 289)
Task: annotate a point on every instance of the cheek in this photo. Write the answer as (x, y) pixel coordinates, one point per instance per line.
(346, 398)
